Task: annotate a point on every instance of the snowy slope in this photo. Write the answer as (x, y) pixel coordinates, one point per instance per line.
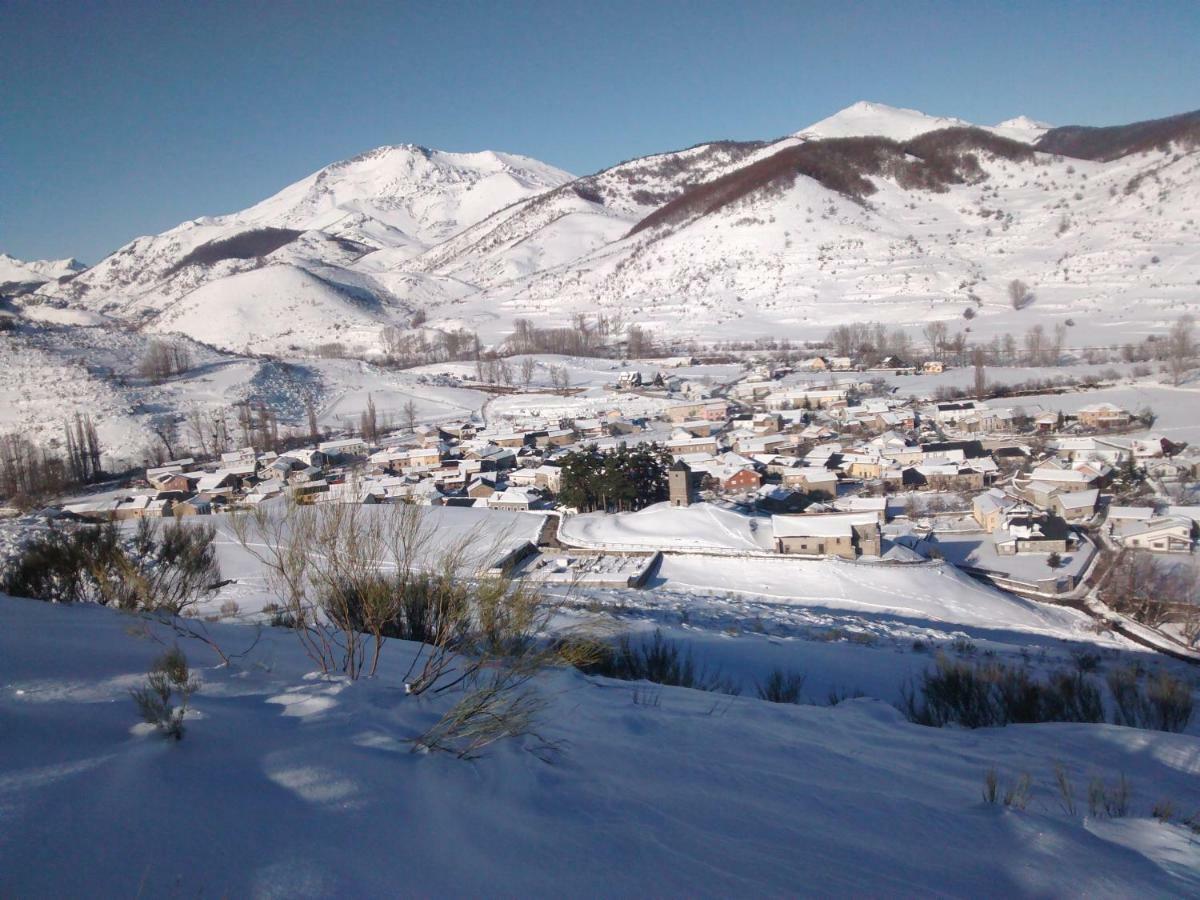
(38, 271)
(404, 198)
(899, 124)
(288, 784)
(476, 240)
(1110, 245)
(1022, 128)
(586, 215)
(866, 118)
(274, 309)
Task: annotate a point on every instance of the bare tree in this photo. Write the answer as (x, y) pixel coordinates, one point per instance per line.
(560, 379)
(29, 474)
(977, 360)
(198, 428)
(162, 360)
(528, 367)
(1035, 345)
(369, 422)
(1147, 590)
(310, 411)
(503, 371)
(636, 343)
(935, 335)
(408, 416)
(166, 430)
(1019, 294)
(1060, 339)
(1009, 349)
(1181, 347)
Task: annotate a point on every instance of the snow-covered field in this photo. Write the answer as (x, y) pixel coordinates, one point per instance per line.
(918, 592)
(292, 785)
(702, 526)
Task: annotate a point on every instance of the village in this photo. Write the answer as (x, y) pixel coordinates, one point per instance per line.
(817, 460)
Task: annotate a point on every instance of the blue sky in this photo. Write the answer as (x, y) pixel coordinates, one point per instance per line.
(121, 119)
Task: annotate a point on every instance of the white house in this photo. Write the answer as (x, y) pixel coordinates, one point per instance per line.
(1163, 534)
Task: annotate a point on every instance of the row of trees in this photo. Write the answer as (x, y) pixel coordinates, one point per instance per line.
(405, 348)
(585, 336)
(870, 343)
(162, 360)
(30, 474)
(619, 480)
(83, 449)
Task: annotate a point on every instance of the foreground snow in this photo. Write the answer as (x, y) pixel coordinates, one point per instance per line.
(290, 785)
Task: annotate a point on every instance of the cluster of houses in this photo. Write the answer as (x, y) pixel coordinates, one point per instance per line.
(820, 453)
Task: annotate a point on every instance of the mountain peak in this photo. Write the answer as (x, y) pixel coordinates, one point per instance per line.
(37, 270)
(868, 118)
(1021, 128)
(1023, 122)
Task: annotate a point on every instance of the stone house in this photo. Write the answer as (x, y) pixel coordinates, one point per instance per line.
(845, 535)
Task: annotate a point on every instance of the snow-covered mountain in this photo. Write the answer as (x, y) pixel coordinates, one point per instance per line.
(16, 272)
(874, 213)
(1021, 128)
(403, 199)
(809, 232)
(866, 119)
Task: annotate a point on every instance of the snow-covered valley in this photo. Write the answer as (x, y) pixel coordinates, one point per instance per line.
(451, 339)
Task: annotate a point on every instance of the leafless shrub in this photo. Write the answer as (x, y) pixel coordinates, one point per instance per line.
(991, 787)
(781, 686)
(1019, 294)
(1016, 795)
(163, 702)
(658, 660)
(1165, 811)
(162, 573)
(1108, 800)
(1066, 791)
(498, 704)
(348, 577)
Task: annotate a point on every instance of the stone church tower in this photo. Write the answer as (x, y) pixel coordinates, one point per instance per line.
(679, 484)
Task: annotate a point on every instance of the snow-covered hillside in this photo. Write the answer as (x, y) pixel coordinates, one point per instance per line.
(272, 309)
(34, 272)
(290, 784)
(874, 213)
(1111, 246)
(865, 118)
(402, 199)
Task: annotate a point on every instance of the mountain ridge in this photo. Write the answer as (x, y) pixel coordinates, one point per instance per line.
(477, 239)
